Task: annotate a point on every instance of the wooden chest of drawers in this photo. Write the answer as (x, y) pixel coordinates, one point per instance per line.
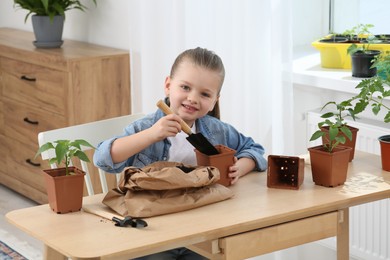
(43, 89)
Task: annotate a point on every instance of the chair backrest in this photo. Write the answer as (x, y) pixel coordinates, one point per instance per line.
(94, 133)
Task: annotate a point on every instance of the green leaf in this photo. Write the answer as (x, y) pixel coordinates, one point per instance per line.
(387, 117)
(347, 132)
(340, 139)
(82, 156)
(61, 149)
(360, 106)
(317, 135)
(376, 108)
(327, 115)
(44, 148)
(333, 132)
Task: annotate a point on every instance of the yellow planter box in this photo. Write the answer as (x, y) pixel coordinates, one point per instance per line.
(334, 55)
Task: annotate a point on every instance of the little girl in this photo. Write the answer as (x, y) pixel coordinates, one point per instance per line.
(192, 91)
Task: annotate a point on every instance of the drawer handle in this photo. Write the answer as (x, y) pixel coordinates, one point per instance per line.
(27, 78)
(33, 163)
(30, 122)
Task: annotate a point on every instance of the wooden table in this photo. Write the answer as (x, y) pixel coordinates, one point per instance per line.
(257, 220)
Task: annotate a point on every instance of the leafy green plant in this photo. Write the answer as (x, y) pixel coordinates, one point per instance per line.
(360, 31)
(335, 121)
(65, 150)
(49, 8)
(364, 48)
(374, 90)
(382, 64)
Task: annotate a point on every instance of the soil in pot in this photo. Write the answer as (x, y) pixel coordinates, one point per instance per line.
(348, 143)
(385, 151)
(329, 169)
(222, 161)
(335, 39)
(362, 62)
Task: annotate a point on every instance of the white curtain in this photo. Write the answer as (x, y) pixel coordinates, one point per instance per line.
(253, 38)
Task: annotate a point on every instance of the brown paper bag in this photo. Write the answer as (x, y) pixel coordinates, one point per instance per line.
(165, 187)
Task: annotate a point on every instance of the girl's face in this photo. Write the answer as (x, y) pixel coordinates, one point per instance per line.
(193, 91)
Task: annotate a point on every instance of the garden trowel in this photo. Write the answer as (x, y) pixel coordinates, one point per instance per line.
(197, 140)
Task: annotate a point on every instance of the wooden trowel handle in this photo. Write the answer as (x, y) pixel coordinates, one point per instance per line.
(165, 108)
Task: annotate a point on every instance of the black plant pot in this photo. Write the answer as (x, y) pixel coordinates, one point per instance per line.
(362, 62)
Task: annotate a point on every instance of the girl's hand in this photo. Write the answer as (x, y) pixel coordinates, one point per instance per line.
(240, 167)
(167, 126)
(234, 173)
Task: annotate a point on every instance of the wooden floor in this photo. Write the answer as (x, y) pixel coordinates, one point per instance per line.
(26, 245)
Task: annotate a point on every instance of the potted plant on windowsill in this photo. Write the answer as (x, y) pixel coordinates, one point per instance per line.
(334, 53)
(48, 19)
(374, 91)
(65, 185)
(362, 58)
(329, 161)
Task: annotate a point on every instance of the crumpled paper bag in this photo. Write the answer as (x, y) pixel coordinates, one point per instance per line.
(165, 187)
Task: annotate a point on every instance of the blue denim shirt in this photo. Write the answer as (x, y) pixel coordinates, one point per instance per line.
(216, 131)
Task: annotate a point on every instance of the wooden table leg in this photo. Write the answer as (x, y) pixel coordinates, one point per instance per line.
(51, 254)
(343, 235)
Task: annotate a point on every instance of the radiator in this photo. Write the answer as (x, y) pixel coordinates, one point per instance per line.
(369, 223)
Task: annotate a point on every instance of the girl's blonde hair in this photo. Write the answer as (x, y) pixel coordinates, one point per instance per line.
(205, 59)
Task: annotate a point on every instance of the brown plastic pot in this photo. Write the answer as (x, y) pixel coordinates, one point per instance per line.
(222, 161)
(384, 142)
(348, 143)
(285, 172)
(329, 169)
(64, 192)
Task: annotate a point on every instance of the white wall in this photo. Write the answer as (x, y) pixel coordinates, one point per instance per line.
(107, 24)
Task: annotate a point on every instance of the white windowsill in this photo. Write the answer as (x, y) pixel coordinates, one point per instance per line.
(307, 70)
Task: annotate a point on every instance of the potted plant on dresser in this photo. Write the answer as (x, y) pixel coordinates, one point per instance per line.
(329, 161)
(374, 92)
(48, 19)
(65, 185)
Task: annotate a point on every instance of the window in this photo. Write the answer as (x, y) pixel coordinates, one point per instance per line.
(345, 14)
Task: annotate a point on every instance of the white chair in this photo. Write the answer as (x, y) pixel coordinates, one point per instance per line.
(94, 133)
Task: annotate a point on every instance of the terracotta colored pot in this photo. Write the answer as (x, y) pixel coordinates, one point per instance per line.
(385, 151)
(65, 193)
(329, 169)
(222, 161)
(285, 172)
(348, 143)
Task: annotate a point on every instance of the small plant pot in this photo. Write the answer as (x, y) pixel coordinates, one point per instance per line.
(329, 169)
(362, 62)
(285, 172)
(348, 143)
(385, 151)
(65, 193)
(222, 161)
(48, 33)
